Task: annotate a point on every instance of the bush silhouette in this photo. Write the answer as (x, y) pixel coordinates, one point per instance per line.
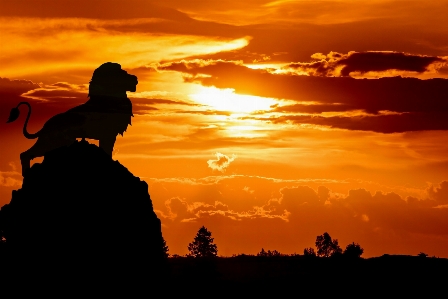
(202, 245)
(309, 252)
(422, 254)
(268, 253)
(353, 250)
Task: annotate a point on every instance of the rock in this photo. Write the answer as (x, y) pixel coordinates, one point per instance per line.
(80, 210)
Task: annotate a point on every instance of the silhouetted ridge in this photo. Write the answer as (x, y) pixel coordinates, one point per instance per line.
(80, 209)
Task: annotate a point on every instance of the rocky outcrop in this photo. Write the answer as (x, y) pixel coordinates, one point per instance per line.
(79, 209)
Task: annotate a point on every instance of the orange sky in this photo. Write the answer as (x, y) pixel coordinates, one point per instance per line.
(269, 122)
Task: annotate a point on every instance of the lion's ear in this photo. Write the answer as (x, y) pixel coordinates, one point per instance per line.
(13, 115)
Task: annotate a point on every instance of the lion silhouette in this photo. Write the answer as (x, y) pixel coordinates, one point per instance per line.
(106, 114)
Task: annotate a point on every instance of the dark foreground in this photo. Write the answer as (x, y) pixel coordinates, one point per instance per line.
(249, 270)
(248, 275)
(300, 276)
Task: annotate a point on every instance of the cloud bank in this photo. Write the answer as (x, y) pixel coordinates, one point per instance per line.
(288, 216)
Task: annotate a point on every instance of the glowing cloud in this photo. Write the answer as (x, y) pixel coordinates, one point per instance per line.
(221, 163)
(228, 100)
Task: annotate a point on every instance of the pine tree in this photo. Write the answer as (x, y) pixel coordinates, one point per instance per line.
(202, 245)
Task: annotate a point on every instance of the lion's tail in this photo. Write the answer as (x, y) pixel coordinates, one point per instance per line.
(15, 112)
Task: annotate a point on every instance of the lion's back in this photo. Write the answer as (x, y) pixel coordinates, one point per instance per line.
(108, 115)
(97, 118)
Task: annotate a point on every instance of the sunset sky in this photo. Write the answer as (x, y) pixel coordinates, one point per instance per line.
(268, 122)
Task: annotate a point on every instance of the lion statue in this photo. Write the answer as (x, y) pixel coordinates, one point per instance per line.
(106, 114)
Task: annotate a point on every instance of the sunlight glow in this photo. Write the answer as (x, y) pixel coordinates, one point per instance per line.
(260, 66)
(228, 100)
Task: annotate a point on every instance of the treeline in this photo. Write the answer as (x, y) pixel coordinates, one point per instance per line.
(202, 246)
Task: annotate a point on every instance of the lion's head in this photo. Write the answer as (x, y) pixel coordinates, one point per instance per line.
(110, 80)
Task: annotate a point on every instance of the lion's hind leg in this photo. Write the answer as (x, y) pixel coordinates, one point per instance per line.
(39, 149)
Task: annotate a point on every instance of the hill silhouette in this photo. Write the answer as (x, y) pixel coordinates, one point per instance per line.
(79, 210)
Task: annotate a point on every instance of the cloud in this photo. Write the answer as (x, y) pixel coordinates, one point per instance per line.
(16, 87)
(11, 178)
(221, 163)
(11, 93)
(338, 64)
(381, 123)
(392, 104)
(392, 94)
(117, 9)
(56, 54)
(312, 108)
(384, 210)
(206, 112)
(180, 210)
(440, 193)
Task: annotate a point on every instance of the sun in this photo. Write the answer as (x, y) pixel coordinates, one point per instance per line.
(228, 100)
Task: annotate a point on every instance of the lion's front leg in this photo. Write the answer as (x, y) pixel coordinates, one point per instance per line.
(107, 144)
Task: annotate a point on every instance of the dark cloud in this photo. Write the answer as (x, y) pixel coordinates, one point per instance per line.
(16, 87)
(382, 61)
(300, 108)
(98, 9)
(10, 95)
(337, 64)
(390, 123)
(59, 96)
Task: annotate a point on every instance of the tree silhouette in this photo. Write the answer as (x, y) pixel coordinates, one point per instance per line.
(202, 245)
(262, 252)
(353, 250)
(309, 252)
(268, 253)
(165, 248)
(326, 246)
